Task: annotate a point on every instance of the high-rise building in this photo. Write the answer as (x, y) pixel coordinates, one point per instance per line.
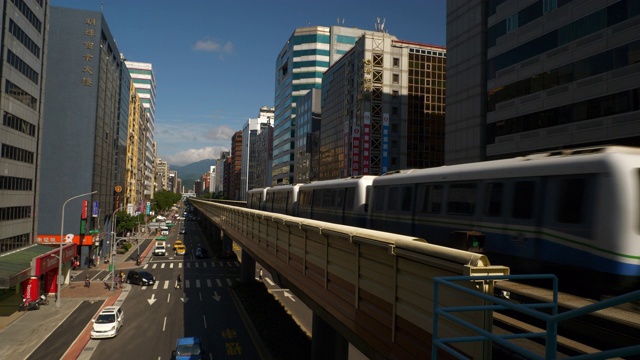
(299, 66)
(24, 43)
(134, 185)
(144, 81)
(307, 137)
(264, 162)
(162, 175)
(235, 169)
(251, 152)
(222, 185)
(85, 116)
(383, 108)
(529, 76)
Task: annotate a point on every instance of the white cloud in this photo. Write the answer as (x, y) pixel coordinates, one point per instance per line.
(221, 132)
(213, 46)
(193, 155)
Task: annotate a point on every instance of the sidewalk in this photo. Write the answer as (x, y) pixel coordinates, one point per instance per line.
(22, 332)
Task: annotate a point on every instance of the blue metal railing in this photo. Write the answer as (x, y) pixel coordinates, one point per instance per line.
(493, 303)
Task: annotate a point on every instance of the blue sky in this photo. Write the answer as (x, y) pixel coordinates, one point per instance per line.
(214, 60)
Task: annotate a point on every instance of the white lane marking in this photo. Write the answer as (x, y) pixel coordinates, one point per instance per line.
(208, 282)
(164, 323)
(168, 297)
(198, 283)
(229, 282)
(269, 281)
(205, 321)
(219, 283)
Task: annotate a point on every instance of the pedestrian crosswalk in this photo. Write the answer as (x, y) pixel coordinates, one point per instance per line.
(180, 264)
(188, 283)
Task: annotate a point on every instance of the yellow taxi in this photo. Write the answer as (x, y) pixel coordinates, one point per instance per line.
(180, 249)
(177, 243)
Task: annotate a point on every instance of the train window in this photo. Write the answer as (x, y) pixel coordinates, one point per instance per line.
(493, 196)
(339, 198)
(326, 198)
(407, 196)
(462, 199)
(304, 198)
(571, 199)
(392, 203)
(378, 198)
(523, 199)
(349, 196)
(432, 198)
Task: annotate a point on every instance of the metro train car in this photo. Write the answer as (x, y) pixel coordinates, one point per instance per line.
(255, 198)
(340, 201)
(573, 212)
(281, 199)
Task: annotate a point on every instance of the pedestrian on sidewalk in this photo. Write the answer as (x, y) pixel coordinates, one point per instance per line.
(178, 282)
(87, 281)
(260, 275)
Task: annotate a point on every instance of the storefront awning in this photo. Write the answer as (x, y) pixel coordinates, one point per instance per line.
(15, 266)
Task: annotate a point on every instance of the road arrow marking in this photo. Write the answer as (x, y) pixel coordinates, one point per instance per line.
(184, 299)
(269, 281)
(152, 300)
(285, 292)
(289, 295)
(216, 296)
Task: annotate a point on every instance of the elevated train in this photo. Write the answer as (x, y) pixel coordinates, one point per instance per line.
(572, 212)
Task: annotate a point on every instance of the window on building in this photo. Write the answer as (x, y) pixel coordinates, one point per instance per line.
(396, 62)
(396, 78)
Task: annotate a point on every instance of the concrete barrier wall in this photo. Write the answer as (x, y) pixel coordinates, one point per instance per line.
(377, 286)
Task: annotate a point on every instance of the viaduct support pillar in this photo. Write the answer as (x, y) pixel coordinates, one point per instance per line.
(247, 268)
(327, 343)
(216, 236)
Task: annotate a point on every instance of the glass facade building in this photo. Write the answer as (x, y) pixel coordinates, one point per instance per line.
(306, 55)
(531, 76)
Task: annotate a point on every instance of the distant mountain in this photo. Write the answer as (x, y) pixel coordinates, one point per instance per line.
(191, 172)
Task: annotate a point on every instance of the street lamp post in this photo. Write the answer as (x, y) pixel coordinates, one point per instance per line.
(114, 244)
(60, 282)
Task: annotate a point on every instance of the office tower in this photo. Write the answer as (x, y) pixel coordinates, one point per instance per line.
(144, 82)
(532, 76)
(135, 158)
(24, 42)
(383, 108)
(299, 66)
(307, 137)
(84, 118)
(235, 168)
(251, 152)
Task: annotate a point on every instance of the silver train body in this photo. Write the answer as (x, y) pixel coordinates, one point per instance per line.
(575, 212)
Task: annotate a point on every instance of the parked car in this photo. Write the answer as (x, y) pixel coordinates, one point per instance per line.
(140, 278)
(189, 348)
(107, 323)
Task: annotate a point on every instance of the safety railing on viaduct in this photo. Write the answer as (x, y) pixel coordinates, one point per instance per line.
(376, 289)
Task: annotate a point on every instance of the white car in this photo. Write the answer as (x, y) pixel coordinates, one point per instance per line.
(107, 323)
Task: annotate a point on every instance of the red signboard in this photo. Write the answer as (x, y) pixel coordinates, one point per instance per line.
(49, 261)
(55, 239)
(85, 204)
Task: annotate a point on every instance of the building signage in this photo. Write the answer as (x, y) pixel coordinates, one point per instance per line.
(55, 239)
(385, 143)
(90, 33)
(355, 149)
(366, 144)
(95, 209)
(50, 261)
(83, 214)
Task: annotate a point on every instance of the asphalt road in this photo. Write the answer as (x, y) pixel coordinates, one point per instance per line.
(63, 337)
(156, 316)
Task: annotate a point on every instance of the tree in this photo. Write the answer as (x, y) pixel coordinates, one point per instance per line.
(162, 200)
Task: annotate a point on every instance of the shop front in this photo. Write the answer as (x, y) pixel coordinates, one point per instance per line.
(45, 269)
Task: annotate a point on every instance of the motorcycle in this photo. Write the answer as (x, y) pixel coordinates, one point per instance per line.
(42, 300)
(27, 305)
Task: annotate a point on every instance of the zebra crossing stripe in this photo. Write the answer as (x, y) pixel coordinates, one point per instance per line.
(166, 284)
(219, 283)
